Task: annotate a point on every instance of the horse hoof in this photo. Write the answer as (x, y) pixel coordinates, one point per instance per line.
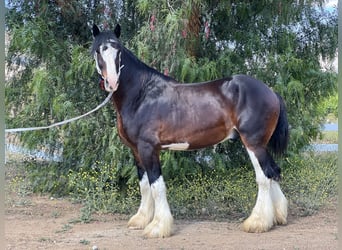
(280, 212)
(256, 225)
(158, 230)
(280, 218)
(137, 222)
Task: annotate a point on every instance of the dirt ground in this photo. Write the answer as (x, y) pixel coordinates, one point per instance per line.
(41, 222)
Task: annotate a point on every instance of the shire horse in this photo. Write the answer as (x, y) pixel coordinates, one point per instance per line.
(155, 112)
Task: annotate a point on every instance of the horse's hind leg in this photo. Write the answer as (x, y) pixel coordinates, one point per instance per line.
(262, 217)
(271, 204)
(272, 171)
(146, 209)
(279, 203)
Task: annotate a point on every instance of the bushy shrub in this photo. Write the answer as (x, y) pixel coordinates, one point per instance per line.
(100, 189)
(309, 181)
(215, 194)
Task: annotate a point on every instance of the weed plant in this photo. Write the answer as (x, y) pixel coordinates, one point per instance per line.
(100, 189)
(309, 182)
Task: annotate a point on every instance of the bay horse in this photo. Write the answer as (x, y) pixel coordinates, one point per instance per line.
(155, 112)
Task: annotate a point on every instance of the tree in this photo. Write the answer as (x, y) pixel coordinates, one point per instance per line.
(54, 78)
(279, 42)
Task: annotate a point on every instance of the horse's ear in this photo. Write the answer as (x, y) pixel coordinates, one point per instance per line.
(117, 30)
(96, 30)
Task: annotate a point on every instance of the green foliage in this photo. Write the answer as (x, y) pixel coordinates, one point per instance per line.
(304, 89)
(310, 181)
(100, 189)
(214, 194)
(54, 77)
(329, 106)
(46, 178)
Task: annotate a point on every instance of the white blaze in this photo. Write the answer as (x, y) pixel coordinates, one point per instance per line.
(109, 55)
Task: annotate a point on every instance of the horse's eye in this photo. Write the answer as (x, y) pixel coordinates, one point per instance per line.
(104, 48)
(97, 51)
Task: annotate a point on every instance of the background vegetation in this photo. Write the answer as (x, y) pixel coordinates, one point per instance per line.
(52, 77)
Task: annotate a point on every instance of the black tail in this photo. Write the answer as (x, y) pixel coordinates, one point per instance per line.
(280, 137)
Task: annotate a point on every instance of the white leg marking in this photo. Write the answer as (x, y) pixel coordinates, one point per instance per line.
(262, 217)
(161, 225)
(146, 210)
(279, 203)
(176, 146)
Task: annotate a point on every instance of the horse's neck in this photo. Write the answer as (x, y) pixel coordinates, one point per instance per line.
(134, 75)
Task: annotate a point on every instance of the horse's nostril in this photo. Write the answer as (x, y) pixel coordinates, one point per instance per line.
(101, 83)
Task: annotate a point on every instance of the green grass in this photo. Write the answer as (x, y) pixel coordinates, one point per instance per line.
(328, 137)
(310, 181)
(332, 118)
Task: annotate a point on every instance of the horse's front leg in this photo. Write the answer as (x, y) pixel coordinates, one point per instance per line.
(161, 225)
(146, 209)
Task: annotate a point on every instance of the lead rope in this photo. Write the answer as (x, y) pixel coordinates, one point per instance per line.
(14, 130)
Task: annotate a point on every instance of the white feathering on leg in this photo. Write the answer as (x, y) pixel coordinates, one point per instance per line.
(280, 204)
(262, 217)
(161, 225)
(146, 210)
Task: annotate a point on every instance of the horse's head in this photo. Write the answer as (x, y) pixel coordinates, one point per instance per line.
(106, 50)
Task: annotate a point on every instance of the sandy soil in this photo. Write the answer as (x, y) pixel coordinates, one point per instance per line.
(40, 222)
